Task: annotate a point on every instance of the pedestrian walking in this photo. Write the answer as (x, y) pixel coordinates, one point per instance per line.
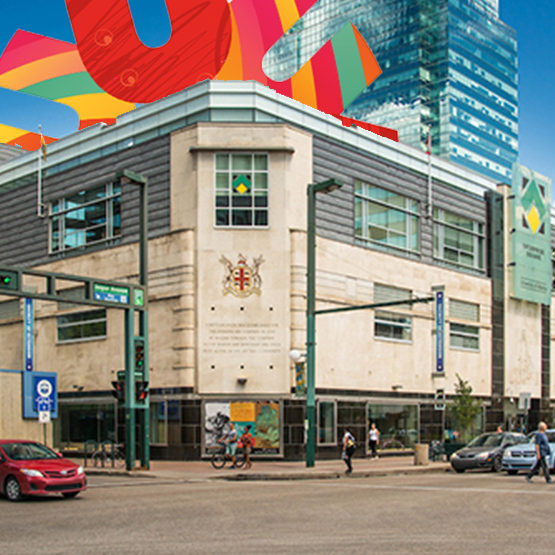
(373, 440)
(230, 441)
(349, 447)
(542, 454)
(247, 441)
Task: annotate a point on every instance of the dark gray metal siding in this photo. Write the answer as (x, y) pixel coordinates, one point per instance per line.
(8, 152)
(25, 236)
(335, 212)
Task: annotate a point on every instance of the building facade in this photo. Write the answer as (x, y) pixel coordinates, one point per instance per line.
(228, 165)
(447, 64)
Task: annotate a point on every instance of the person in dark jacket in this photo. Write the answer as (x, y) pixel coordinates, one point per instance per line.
(542, 454)
(348, 449)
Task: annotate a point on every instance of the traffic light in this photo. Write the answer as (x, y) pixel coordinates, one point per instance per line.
(139, 355)
(119, 391)
(8, 280)
(141, 393)
(439, 399)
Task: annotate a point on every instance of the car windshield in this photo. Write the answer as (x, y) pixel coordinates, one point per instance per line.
(28, 451)
(532, 437)
(486, 440)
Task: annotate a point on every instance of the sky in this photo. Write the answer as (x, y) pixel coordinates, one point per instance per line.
(533, 21)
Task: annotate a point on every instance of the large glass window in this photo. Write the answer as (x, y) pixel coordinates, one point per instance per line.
(158, 423)
(458, 240)
(386, 218)
(241, 190)
(78, 423)
(79, 326)
(397, 424)
(393, 326)
(326, 422)
(462, 335)
(85, 218)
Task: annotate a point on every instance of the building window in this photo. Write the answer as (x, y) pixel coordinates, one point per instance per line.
(80, 326)
(85, 218)
(392, 326)
(326, 423)
(386, 218)
(158, 423)
(465, 337)
(241, 190)
(458, 240)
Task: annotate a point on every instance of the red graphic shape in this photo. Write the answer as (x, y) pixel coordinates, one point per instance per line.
(124, 67)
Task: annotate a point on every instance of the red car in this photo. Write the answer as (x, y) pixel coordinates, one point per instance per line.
(29, 468)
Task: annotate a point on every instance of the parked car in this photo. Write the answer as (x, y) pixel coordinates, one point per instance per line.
(523, 456)
(29, 468)
(484, 451)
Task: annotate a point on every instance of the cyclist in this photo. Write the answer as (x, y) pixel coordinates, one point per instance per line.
(230, 440)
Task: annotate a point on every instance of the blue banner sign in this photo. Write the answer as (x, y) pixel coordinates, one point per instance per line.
(440, 330)
(29, 341)
(40, 393)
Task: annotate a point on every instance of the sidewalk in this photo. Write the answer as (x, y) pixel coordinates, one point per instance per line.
(194, 471)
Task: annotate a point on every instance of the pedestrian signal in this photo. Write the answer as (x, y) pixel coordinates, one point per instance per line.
(141, 393)
(119, 391)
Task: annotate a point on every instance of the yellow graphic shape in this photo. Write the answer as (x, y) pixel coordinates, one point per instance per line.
(534, 220)
(242, 189)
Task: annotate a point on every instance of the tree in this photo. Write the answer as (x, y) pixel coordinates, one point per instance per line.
(465, 408)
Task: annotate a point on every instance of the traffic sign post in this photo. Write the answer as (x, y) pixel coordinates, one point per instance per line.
(108, 294)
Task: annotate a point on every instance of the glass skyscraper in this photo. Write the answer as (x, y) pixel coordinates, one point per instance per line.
(448, 65)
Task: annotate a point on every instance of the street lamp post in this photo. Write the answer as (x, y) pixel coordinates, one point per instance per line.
(132, 178)
(323, 187)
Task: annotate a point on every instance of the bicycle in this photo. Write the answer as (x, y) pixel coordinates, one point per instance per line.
(219, 458)
(101, 457)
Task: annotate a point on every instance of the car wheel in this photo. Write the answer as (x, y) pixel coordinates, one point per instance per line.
(459, 470)
(70, 494)
(497, 465)
(512, 472)
(12, 489)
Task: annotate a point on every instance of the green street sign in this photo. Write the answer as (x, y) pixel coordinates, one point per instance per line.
(110, 293)
(139, 376)
(139, 297)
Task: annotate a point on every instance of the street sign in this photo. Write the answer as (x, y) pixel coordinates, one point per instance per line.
(110, 293)
(121, 375)
(44, 417)
(524, 401)
(440, 328)
(40, 394)
(29, 339)
(139, 297)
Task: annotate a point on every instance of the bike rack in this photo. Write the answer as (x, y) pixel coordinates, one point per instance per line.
(88, 443)
(111, 443)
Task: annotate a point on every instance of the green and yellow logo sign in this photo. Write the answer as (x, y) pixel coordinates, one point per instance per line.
(531, 236)
(535, 206)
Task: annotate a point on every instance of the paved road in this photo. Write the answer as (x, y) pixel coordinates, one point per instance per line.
(424, 514)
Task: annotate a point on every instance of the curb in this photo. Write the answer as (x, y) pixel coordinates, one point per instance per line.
(272, 476)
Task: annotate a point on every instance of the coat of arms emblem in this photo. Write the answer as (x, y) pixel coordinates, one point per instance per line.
(241, 279)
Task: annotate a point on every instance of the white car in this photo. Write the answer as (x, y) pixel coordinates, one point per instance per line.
(523, 456)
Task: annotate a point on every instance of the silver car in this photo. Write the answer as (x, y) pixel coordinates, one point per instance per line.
(484, 451)
(523, 456)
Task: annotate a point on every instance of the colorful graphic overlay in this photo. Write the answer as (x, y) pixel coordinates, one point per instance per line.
(123, 66)
(110, 69)
(52, 69)
(329, 81)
